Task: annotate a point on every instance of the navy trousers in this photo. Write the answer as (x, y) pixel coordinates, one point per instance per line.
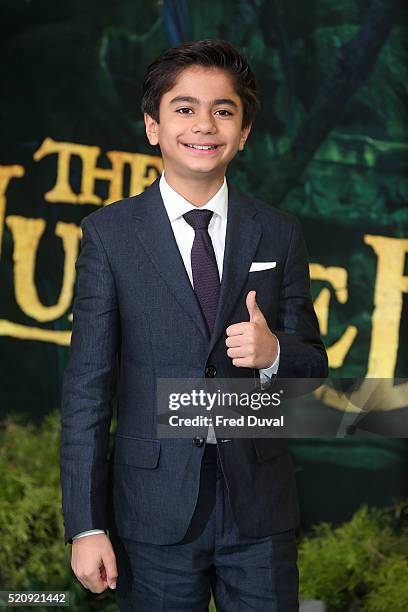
(242, 573)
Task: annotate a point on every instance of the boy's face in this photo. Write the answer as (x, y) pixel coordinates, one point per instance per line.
(202, 109)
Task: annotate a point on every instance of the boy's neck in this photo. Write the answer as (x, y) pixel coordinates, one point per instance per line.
(197, 192)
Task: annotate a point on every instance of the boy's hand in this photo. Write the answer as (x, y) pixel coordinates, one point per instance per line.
(251, 343)
(94, 563)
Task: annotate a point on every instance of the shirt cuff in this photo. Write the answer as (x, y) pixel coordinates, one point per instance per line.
(86, 533)
(266, 374)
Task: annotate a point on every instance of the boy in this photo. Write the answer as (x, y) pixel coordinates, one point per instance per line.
(166, 287)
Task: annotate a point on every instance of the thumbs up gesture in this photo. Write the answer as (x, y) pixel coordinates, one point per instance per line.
(251, 344)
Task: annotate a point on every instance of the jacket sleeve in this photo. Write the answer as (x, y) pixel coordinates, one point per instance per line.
(88, 389)
(302, 352)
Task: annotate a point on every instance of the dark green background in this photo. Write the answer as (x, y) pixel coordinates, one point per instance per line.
(329, 145)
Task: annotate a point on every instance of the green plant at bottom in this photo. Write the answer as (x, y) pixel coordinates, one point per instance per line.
(32, 551)
(360, 565)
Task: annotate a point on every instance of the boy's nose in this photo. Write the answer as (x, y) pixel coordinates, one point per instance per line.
(204, 123)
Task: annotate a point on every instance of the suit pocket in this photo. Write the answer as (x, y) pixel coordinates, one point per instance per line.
(137, 452)
(269, 448)
(259, 266)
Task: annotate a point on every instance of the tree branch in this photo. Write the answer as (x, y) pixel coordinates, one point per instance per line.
(351, 68)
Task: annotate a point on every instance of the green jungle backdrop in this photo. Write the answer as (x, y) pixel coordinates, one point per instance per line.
(329, 145)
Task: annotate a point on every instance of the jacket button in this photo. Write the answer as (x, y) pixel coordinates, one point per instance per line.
(211, 371)
(198, 441)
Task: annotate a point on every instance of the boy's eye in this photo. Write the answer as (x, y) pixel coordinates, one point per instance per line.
(186, 111)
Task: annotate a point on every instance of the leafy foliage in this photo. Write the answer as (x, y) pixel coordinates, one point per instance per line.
(360, 565)
(32, 551)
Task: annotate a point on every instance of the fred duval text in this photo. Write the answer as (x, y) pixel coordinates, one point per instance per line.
(221, 421)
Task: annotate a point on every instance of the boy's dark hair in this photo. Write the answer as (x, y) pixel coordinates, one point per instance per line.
(162, 74)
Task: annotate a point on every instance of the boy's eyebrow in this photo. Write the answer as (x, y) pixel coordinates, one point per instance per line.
(193, 100)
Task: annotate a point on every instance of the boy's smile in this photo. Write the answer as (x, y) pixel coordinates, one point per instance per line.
(200, 125)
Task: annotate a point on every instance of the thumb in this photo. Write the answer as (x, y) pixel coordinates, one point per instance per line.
(109, 563)
(255, 313)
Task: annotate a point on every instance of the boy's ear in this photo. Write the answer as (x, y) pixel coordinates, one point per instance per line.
(152, 129)
(244, 136)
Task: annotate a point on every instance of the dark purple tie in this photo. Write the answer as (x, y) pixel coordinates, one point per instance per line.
(206, 279)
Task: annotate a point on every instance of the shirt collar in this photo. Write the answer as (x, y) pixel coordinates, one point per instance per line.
(176, 205)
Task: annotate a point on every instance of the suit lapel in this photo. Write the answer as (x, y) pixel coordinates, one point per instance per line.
(241, 241)
(155, 233)
(154, 230)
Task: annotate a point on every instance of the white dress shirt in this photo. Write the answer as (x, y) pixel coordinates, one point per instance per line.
(176, 206)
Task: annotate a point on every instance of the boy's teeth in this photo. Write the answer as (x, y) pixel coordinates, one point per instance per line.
(201, 146)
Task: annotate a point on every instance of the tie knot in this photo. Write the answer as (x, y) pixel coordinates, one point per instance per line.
(198, 219)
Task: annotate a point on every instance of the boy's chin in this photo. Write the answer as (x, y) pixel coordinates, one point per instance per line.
(206, 172)
(205, 167)
(196, 169)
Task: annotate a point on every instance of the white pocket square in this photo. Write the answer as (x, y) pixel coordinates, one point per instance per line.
(256, 266)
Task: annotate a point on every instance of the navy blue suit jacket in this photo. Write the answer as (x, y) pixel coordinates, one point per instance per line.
(136, 318)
